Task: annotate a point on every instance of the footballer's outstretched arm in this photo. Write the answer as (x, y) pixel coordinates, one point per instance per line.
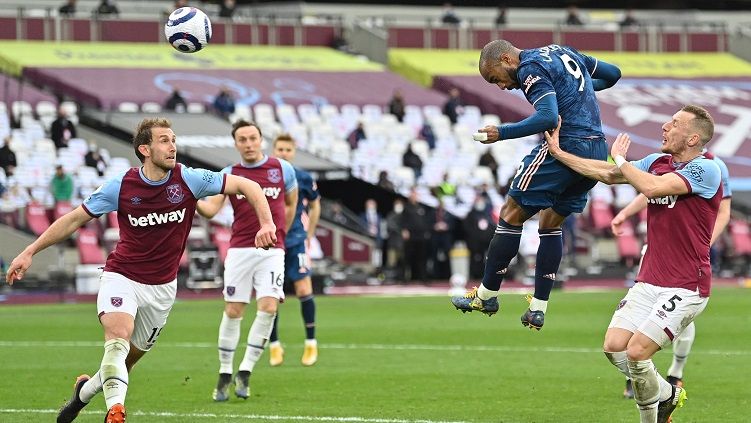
(543, 119)
(59, 230)
(266, 235)
(208, 207)
(636, 205)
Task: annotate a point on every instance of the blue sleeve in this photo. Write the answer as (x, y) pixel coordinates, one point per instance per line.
(646, 162)
(313, 192)
(106, 198)
(604, 75)
(288, 171)
(726, 192)
(544, 118)
(703, 176)
(203, 182)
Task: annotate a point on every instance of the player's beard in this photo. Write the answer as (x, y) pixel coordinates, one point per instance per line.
(165, 165)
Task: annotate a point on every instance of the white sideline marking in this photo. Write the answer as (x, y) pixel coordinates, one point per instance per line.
(234, 416)
(385, 347)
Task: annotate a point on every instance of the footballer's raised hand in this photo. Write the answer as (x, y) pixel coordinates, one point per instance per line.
(615, 224)
(620, 145)
(18, 268)
(551, 137)
(266, 236)
(493, 134)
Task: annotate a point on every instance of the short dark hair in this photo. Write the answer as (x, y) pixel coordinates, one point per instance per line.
(702, 122)
(143, 133)
(242, 123)
(493, 51)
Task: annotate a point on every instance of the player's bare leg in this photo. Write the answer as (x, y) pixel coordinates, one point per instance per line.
(229, 337)
(549, 255)
(304, 291)
(502, 249)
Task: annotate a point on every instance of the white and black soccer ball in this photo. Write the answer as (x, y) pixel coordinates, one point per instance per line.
(188, 29)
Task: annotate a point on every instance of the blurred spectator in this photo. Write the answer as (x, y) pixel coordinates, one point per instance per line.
(384, 182)
(500, 19)
(337, 214)
(426, 133)
(413, 161)
(62, 129)
(61, 185)
(445, 188)
(12, 201)
(629, 19)
(449, 16)
(479, 228)
(396, 105)
(176, 102)
(224, 104)
(7, 156)
(572, 16)
(227, 9)
(107, 7)
(371, 221)
(68, 8)
(441, 241)
(357, 135)
(416, 235)
(94, 159)
(488, 160)
(453, 107)
(395, 241)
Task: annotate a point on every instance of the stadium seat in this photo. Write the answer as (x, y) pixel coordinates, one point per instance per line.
(62, 208)
(36, 217)
(740, 234)
(220, 237)
(46, 108)
(21, 108)
(601, 214)
(196, 108)
(151, 107)
(127, 107)
(89, 251)
(627, 244)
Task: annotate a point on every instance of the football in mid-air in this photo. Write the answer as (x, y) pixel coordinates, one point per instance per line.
(188, 29)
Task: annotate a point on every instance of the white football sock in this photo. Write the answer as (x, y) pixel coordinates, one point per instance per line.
(312, 342)
(229, 336)
(92, 387)
(620, 361)
(113, 372)
(258, 335)
(646, 389)
(486, 294)
(538, 305)
(681, 349)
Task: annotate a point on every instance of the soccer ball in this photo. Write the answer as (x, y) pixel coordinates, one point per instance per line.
(188, 29)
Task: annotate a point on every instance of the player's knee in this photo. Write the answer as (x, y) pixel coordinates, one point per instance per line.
(118, 332)
(267, 306)
(234, 310)
(637, 352)
(513, 214)
(303, 288)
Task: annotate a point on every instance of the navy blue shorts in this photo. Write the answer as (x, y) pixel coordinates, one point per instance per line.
(543, 182)
(296, 263)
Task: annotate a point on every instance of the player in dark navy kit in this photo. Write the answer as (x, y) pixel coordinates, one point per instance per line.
(556, 80)
(296, 260)
(248, 268)
(155, 207)
(684, 191)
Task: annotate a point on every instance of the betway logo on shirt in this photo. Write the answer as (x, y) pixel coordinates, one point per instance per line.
(271, 192)
(153, 219)
(668, 200)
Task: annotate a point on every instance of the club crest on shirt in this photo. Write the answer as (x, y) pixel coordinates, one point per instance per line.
(175, 193)
(621, 304)
(275, 175)
(116, 301)
(230, 290)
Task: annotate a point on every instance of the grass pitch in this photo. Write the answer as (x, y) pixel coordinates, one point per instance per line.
(382, 360)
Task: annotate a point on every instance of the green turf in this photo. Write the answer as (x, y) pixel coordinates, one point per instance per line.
(393, 359)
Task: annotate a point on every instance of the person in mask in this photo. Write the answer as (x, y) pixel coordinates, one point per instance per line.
(478, 231)
(395, 240)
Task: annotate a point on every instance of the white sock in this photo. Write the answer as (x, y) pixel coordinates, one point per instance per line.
(486, 294)
(681, 349)
(229, 336)
(538, 305)
(275, 344)
(620, 361)
(113, 372)
(646, 389)
(312, 342)
(92, 387)
(258, 335)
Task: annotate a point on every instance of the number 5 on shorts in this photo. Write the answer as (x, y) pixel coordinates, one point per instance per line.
(671, 301)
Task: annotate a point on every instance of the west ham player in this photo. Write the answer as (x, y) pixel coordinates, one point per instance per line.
(684, 189)
(556, 80)
(155, 206)
(682, 344)
(246, 267)
(296, 259)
